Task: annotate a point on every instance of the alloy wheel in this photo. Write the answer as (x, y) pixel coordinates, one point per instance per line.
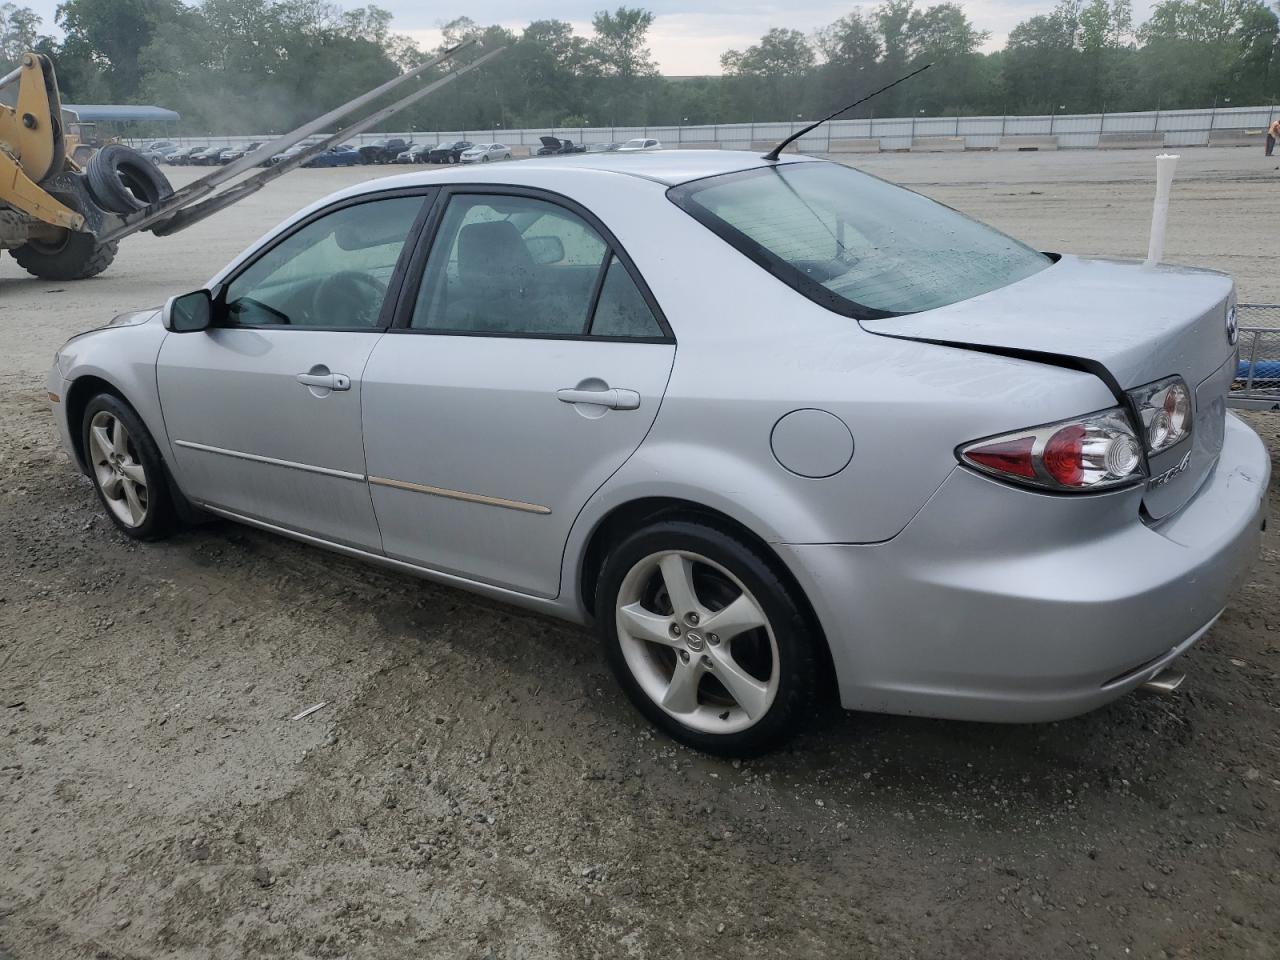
(697, 642)
(117, 469)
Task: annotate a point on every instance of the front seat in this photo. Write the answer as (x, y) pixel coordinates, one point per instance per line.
(497, 279)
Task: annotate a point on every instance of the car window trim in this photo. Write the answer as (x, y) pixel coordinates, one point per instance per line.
(416, 268)
(394, 282)
(597, 289)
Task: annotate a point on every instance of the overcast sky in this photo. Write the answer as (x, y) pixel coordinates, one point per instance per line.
(687, 38)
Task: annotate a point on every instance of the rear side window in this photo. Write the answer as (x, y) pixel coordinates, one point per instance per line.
(621, 310)
(509, 265)
(521, 266)
(854, 243)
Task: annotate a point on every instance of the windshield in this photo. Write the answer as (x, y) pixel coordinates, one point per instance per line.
(855, 243)
(634, 143)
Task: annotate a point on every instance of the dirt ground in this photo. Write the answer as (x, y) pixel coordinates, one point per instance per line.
(475, 787)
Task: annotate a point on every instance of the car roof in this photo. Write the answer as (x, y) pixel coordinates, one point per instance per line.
(667, 167)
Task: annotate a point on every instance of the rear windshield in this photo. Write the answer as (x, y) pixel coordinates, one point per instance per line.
(853, 242)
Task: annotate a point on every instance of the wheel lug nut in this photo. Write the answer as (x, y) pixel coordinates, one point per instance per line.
(707, 662)
(684, 656)
(713, 639)
(675, 629)
(691, 619)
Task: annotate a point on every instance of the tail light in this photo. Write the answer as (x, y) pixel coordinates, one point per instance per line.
(1096, 452)
(1164, 408)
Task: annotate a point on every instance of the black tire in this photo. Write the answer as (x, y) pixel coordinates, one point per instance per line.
(794, 636)
(122, 180)
(160, 519)
(76, 256)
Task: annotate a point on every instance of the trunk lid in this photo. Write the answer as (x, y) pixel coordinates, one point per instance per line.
(1126, 322)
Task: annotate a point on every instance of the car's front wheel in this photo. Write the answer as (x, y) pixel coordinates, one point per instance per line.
(706, 639)
(126, 469)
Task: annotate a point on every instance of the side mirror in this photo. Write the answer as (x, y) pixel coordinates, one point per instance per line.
(189, 313)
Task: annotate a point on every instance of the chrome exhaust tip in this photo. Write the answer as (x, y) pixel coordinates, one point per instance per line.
(1164, 683)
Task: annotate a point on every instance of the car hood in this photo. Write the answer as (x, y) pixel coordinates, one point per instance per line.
(1127, 323)
(550, 142)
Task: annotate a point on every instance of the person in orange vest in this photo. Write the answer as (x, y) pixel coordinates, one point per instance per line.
(1273, 134)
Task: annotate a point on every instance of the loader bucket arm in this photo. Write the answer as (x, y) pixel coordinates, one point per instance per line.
(31, 143)
(181, 209)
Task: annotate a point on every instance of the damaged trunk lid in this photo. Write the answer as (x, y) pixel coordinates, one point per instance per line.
(1129, 324)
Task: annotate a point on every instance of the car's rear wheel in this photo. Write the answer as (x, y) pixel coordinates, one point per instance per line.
(706, 639)
(126, 468)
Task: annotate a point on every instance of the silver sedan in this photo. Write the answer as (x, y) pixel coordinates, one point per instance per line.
(777, 429)
(484, 152)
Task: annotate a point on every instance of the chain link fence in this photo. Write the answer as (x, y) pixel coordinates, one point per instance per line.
(1257, 383)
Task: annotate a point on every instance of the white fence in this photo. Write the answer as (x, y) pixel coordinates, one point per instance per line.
(1172, 128)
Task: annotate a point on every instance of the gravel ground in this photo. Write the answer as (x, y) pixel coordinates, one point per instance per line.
(475, 786)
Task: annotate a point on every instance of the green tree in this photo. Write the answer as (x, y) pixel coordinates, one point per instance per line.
(111, 34)
(261, 65)
(618, 47)
(1201, 51)
(19, 32)
(772, 73)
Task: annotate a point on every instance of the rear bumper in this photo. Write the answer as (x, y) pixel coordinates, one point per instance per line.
(1000, 604)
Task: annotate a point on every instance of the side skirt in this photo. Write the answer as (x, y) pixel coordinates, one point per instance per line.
(542, 605)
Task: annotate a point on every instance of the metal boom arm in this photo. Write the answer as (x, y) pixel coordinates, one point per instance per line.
(177, 211)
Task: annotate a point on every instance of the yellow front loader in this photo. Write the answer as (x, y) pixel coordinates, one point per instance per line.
(63, 222)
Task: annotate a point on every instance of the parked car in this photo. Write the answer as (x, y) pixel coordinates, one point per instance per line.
(292, 151)
(182, 156)
(484, 152)
(640, 143)
(448, 152)
(898, 453)
(382, 151)
(161, 154)
(206, 157)
(417, 153)
(236, 153)
(339, 156)
(409, 147)
(554, 145)
(157, 150)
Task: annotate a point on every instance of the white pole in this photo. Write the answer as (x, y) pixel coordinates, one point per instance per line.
(1165, 164)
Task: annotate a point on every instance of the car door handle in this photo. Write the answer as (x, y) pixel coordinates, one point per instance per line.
(327, 381)
(613, 398)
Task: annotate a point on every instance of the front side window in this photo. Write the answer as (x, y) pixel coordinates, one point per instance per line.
(855, 243)
(524, 266)
(333, 272)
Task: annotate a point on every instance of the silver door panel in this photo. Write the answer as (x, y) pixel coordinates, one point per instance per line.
(248, 436)
(477, 467)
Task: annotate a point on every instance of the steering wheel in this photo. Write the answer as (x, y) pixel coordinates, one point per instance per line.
(349, 297)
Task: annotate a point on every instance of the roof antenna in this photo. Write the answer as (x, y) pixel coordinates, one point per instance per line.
(773, 154)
